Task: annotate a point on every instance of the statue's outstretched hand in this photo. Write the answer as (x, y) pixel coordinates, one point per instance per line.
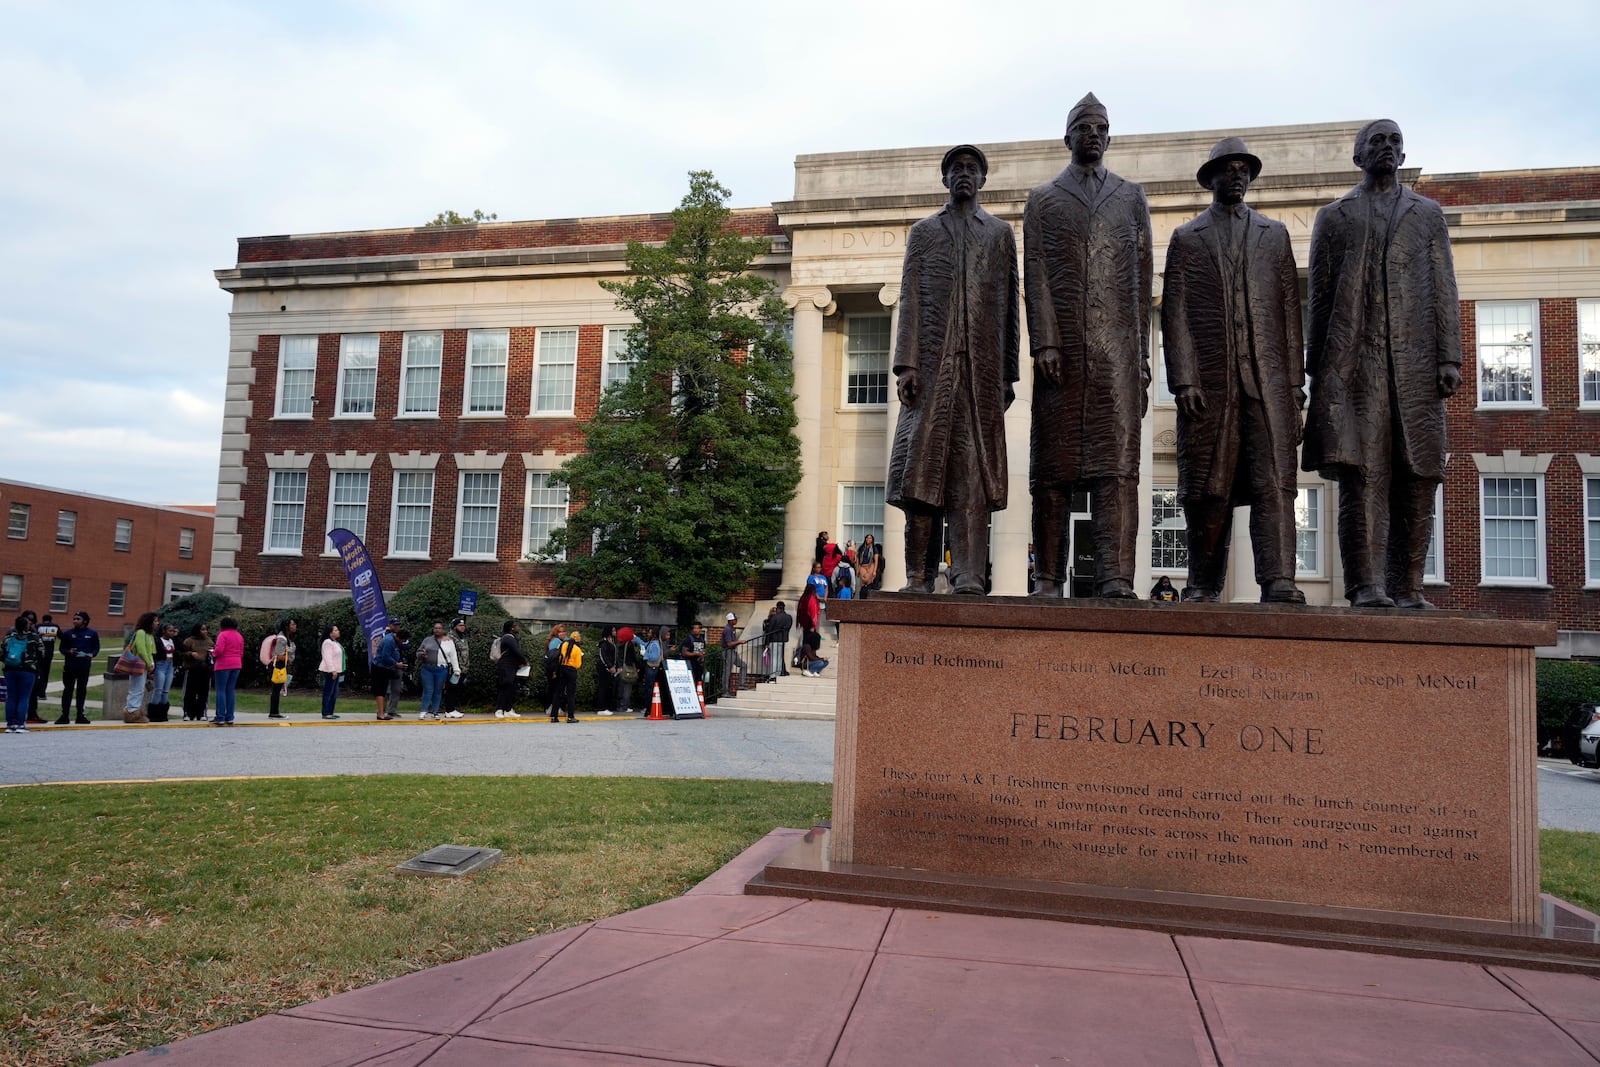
(1449, 380)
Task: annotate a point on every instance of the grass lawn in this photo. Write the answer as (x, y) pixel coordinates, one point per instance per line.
(134, 915)
(1569, 867)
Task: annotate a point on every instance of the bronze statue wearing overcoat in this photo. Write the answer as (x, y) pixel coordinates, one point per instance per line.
(1087, 270)
(959, 331)
(1384, 351)
(1230, 319)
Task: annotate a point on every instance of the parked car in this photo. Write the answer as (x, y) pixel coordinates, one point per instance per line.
(1571, 734)
(1589, 746)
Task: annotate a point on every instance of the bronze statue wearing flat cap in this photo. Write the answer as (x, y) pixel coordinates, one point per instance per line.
(1383, 354)
(955, 360)
(1230, 320)
(1087, 274)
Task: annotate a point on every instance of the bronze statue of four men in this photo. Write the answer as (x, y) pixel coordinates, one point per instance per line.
(1384, 352)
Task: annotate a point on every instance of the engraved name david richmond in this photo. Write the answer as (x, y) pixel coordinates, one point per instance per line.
(944, 659)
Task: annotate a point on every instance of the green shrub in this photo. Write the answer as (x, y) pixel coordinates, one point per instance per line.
(1562, 686)
(203, 607)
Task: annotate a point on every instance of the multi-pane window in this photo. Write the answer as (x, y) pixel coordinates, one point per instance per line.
(1308, 530)
(60, 593)
(410, 530)
(487, 352)
(117, 602)
(123, 540)
(297, 376)
(286, 511)
(616, 364)
(1158, 365)
(547, 512)
(1508, 353)
(66, 527)
(555, 371)
(186, 543)
(1169, 531)
(1513, 534)
(1433, 566)
(358, 374)
(861, 513)
(10, 592)
(420, 367)
(866, 359)
(478, 515)
(17, 522)
(1591, 522)
(347, 503)
(1589, 353)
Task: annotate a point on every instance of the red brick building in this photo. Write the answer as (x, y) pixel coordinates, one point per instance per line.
(114, 559)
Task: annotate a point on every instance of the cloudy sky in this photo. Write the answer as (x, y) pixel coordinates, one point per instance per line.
(138, 141)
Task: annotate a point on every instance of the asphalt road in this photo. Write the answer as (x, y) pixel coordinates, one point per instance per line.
(1569, 797)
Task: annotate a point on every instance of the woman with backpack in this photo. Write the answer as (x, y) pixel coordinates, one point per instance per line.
(142, 645)
(22, 654)
(277, 653)
(552, 666)
(228, 654)
(510, 667)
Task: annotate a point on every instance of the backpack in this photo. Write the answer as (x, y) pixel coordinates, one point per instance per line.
(266, 649)
(494, 651)
(16, 649)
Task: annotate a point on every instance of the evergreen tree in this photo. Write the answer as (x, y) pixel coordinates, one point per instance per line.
(688, 462)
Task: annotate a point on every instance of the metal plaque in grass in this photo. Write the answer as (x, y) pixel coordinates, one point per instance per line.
(450, 861)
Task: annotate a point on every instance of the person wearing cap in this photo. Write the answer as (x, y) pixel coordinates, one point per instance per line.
(456, 685)
(1087, 270)
(956, 364)
(1384, 352)
(1230, 321)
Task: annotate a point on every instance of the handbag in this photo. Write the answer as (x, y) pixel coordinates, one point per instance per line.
(629, 674)
(128, 664)
(280, 675)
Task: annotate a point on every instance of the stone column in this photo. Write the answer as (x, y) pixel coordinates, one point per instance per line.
(894, 520)
(1242, 561)
(1012, 529)
(811, 305)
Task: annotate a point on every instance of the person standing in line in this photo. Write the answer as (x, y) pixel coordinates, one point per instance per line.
(629, 666)
(456, 684)
(385, 663)
(143, 645)
(48, 631)
(229, 656)
(196, 673)
(509, 670)
(650, 653)
(605, 672)
(166, 648)
(281, 654)
(869, 565)
(21, 657)
(332, 668)
(808, 613)
(79, 646)
(397, 684)
(552, 667)
(776, 631)
(693, 651)
(571, 663)
(437, 656)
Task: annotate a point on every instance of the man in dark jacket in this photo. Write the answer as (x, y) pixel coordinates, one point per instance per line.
(79, 646)
(1230, 317)
(776, 631)
(1087, 272)
(1383, 354)
(956, 361)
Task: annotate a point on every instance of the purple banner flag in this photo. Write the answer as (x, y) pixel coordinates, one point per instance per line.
(364, 588)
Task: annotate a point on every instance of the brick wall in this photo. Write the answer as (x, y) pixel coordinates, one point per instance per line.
(1528, 187)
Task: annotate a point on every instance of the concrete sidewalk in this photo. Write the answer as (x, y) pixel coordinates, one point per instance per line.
(717, 977)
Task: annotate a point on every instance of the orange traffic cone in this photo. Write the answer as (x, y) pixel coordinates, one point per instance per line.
(655, 706)
(700, 691)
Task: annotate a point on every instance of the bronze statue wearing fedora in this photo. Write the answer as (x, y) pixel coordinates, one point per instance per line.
(955, 360)
(1230, 318)
(1087, 273)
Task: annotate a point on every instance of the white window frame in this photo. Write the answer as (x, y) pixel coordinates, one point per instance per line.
(63, 586)
(614, 356)
(11, 592)
(1539, 578)
(68, 520)
(117, 599)
(284, 344)
(1589, 352)
(185, 543)
(845, 526)
(1591, 531)
(543, 365)
(351, 348)
(15, 512)
(888, 364)
(462, 477)
(1183, 542)
(1537, 402)
(408, 367)
(1319, 532)
(395, 504)
(122, 536)
(274, 477)
(334, 503)
(545, 505)
(504, 366)
(1436, 541)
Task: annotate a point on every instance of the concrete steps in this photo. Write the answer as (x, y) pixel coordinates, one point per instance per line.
(794, 697)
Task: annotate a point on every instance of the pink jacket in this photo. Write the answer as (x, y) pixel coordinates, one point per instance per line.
(229, 653)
